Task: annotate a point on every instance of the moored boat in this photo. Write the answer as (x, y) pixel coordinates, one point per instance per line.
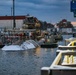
(29, 44)
(50, 45)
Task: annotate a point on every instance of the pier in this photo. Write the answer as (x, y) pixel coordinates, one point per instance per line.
(65, 61)
(64, 64)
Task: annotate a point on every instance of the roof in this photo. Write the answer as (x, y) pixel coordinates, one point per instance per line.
(11, 17)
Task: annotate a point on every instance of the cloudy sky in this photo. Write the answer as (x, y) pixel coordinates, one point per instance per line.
(46, 10)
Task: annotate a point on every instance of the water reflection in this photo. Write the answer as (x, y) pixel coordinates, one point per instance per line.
(37, 51)
(27, 62)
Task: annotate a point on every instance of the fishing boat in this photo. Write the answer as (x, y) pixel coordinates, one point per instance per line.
(49, 44)
(58, 37)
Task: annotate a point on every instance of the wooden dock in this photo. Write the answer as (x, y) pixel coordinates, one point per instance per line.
(66, 47)
(64, 64)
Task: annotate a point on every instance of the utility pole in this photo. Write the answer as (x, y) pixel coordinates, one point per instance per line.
(14, 24)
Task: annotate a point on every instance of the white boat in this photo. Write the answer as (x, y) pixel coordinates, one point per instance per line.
(30, 44)
(12, 48)
(27, 45)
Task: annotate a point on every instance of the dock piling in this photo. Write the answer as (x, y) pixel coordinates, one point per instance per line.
(45, 71)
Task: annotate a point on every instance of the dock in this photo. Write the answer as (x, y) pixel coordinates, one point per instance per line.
(66, 47)
(64, 64)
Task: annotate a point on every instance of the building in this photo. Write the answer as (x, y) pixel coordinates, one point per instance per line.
(7, 21)
(65, 26)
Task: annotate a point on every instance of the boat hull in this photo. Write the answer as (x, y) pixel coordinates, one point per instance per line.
(53, 45)
(1, 46)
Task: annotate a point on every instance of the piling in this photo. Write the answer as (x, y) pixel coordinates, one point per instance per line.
(45, 71)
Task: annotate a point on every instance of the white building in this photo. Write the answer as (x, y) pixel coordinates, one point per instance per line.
(7, 21)
(66, 30)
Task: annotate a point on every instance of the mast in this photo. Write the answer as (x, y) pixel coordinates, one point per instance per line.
(14, 24)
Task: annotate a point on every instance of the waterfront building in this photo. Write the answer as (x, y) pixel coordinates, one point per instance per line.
(65, 26)
(7, 21)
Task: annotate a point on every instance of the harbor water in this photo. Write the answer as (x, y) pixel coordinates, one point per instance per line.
(27, 62)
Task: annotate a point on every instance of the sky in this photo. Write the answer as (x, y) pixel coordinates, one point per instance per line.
(51, 11)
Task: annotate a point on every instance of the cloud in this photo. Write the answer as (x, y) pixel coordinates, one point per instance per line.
(56, 2)
(39, 8)
(36, 6)
(4, 2)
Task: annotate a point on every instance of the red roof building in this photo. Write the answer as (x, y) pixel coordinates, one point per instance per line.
(7, 21)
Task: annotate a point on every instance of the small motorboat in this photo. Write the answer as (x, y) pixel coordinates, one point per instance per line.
(49, 45)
